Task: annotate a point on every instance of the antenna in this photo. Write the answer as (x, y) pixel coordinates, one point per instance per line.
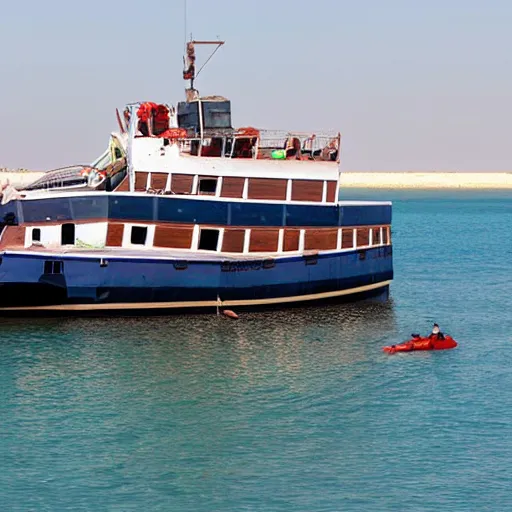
(189, 61)
(218, 43)
(185, 24)
(189, 73)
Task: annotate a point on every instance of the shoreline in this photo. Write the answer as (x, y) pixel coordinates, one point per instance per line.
(370, 180)
(19, 177)
(427, 180)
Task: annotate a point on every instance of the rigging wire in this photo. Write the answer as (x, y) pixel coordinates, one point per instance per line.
(208, 59)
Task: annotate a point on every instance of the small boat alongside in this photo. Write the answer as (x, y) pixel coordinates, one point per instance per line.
(426, 343)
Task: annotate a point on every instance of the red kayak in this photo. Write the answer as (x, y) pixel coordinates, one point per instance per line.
(422, 344)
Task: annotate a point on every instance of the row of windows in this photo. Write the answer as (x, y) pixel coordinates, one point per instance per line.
(248, 240)
(208, 238)
(67, 234)
(344, 238)
(206, 185)
(280, 189)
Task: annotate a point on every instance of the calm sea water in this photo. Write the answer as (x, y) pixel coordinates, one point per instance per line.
(291, 411)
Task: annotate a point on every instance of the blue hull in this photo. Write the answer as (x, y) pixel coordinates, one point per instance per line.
(82, 283)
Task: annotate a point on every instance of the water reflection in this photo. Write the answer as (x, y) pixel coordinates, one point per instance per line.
(173, 351)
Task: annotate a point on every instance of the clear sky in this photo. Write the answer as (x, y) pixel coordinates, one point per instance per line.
(411, 85)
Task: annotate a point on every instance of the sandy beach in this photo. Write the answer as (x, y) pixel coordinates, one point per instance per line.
(19, 179)
(390, 180)
(427, 180)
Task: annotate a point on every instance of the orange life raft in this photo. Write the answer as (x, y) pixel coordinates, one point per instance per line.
(423, 344)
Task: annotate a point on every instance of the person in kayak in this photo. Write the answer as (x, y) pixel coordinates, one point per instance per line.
(436, 333)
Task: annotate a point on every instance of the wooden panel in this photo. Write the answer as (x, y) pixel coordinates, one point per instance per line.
(307, 190)
(375, 236)
(158, 180)
(267, 188)
(175, 237)
(115, 235)
(264, 240)
(332, 191)
(385, 235)
(320, 239)
(232, 187)
(141, 180)
(291, 239)
(347, 238)
(233, 240)
(182, 183)
(13, 236)
(124, 186)
(363, 236)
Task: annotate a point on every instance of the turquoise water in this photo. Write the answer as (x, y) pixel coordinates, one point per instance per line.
(291, 411)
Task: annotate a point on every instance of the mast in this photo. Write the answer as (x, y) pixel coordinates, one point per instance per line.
(189, 72)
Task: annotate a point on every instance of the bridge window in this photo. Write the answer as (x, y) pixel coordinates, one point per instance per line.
(36, 235)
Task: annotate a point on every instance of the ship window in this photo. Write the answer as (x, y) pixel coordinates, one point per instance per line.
(138, 236)
(208, 239)
(68, 234)
(36, 235)
(53, 267)
(207, 186)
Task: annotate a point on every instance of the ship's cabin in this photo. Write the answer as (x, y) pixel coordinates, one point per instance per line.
(170, 140)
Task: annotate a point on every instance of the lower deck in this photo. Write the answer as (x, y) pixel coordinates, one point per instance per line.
(116, 280)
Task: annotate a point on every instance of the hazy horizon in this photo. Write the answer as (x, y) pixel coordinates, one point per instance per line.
(411, 87)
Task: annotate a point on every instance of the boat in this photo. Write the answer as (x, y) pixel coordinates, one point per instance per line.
(425, 343)
(184, 212)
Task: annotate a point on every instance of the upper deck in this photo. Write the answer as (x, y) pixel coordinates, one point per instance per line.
(150, 154)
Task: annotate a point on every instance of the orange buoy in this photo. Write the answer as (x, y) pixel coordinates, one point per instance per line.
(230, 314)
